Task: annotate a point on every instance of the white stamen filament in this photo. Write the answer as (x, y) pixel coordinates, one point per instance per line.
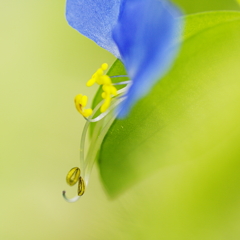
(100, 130)
(97, 140)
(122, 83)
(70, 200)
(119, 76)
(102, 115)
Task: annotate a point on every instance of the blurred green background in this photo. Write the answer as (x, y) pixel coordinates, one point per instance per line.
(44, 64)
(206, 5)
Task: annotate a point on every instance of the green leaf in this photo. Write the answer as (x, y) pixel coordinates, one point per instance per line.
(190, 6)
(196, 23)
(190, 112)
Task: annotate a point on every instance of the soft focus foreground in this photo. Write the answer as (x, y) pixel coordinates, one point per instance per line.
(44, 65)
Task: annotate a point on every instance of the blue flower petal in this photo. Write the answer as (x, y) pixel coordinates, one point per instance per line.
(95, 19)
(145, 35)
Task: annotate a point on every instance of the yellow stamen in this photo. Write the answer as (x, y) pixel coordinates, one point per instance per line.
(98, 76)
(104, 66)
(80, 102)
(90, 82)
(108, 91)
(113, 90)
(106, 104)
(84, 100)
(81, 187)
(104, 95)
(106, 80)
(73, 176)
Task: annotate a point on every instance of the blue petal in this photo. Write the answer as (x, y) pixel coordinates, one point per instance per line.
(145, 35)
(95, 19)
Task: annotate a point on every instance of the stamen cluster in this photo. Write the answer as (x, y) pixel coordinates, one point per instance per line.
(73, 177)
(105, 106)
(108, 91)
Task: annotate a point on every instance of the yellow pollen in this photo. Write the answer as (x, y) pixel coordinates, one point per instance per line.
(108, 89)
(106, 104)
(106, 80)
(80, 102)
(104, 66)
(90, 82)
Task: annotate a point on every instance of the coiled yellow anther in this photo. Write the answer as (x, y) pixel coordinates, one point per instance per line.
(80, 102)
(73, 176)
(81, 186)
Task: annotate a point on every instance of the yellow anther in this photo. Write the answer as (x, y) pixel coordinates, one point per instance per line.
(94, 75)
(84, 100)
(106, 80)
(106, 89)
(113, 90)
(104, 66)
(106, 104)
(90, 82)
(99, 72)
(99, 77)
(87, 112)
(81, 186)
(104, 95)
(80, 102)
(73, 176)
(99, 80)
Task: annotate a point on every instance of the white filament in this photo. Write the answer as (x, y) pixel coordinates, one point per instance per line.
(100, 130)
(70, 200)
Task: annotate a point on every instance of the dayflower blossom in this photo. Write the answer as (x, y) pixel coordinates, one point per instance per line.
(142, 34)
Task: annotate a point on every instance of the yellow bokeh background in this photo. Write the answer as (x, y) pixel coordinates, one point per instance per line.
(44, 64)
